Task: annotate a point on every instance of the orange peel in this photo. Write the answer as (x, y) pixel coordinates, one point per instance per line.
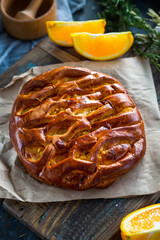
(143, 224)
(102, 46)
(60, 32)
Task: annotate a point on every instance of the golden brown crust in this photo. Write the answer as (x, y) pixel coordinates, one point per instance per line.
(76, 128)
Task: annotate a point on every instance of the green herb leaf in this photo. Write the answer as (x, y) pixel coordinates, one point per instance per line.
(122, 15)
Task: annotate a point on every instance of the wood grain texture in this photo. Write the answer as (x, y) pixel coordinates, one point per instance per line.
(27, 29)
(85, 219)
(36, 57)
(58, 52)
(30, 11)
(78, 220)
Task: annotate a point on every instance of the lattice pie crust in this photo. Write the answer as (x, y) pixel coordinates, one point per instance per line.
(76, 128)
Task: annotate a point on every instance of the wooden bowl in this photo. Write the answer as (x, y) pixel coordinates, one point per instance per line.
(27, 29)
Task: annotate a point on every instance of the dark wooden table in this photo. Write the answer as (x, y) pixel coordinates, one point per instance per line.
(84, 219)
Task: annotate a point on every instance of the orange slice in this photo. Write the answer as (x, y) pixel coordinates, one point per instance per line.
(60, 32)
(143, 224)
(102, 46)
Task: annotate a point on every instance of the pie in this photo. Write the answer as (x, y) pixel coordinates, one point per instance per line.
(76, 128)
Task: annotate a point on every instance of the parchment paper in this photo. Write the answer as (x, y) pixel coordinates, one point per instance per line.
(135, 74)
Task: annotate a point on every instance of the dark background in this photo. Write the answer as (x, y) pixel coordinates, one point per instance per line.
(11, 228)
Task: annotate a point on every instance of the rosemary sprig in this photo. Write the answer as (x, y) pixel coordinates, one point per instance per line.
(122, 15)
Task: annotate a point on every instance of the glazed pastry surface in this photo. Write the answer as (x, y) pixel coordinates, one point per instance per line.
(76, 128)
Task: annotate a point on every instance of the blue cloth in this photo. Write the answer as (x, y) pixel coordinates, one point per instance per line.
(12, 49)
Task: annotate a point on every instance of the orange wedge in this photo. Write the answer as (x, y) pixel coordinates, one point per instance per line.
(143, 224)
(60, 32)
(102, 46)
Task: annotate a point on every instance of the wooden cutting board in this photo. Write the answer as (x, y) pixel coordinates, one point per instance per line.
(77, 220)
